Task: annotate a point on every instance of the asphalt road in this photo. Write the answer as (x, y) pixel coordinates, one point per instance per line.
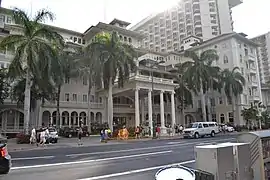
(129, 161)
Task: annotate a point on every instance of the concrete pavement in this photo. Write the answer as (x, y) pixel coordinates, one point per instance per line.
(128, 161)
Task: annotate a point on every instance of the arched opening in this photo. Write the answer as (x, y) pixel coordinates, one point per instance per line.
(65, 118)
(92, 117)
(54, 118)
(83, 118)
(11, 119)
(222, 118)
(158, 120)
(99, 117)
(21, 120)
(169, 120)
(74, 118)
(46, 115)
(188, 119)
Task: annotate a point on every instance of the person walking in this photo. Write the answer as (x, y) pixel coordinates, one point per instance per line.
(80, 132)
(33, 136)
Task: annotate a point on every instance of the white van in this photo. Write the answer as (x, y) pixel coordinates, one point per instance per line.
(201, 129)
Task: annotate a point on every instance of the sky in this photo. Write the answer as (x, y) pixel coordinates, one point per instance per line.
(251, 17)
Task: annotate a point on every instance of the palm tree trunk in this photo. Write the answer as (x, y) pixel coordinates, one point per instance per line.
(89, 106)
(27, 99)
(209, 107)
(233, 99)
(110, 105)
(58, 105)
(203, 102)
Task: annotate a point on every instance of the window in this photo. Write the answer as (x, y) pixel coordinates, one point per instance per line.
(214, 118)
(74, 97)
(84, 98)
(225, 59)
(2, 18)
(251, 50)
(241, 58)
(231, 118)
(100, 99)
(222, 118)
(79, 40)
(213, 103)
(84, 81)
(220, 99)
(92, 98)
(66, 97)
(205, 125)
(2, 65)
(75, 39)
(8, 19)
(83, 41)
(129, 40)
(67, 80)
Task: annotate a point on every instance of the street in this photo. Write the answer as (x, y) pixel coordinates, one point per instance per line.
(127, 161)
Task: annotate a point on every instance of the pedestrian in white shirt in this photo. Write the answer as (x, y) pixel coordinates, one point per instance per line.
(43, 137)
(33, 136)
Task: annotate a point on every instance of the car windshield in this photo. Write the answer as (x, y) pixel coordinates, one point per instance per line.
(52, 130)
(193, 125)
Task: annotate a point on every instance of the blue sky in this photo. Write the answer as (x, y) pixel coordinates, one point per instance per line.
(252, 17)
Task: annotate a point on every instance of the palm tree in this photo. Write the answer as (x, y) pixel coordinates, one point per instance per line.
(34, 45)
(117, 63)
(65, 67)
(90, 68)
(233, 84)
(198, 71)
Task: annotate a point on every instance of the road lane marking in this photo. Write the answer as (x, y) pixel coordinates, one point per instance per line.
(33, 158)
(135, 171)
(146, 148)
(92, 160)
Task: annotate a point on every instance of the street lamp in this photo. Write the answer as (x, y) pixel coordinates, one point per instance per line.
(155, 63)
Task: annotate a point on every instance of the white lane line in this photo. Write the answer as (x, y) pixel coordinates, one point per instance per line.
(33, 158)
(136, 171)
(140, 149)
(92, 160)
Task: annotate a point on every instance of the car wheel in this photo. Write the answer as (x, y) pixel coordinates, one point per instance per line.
(196, 135)
(212, 133)
(55, 141)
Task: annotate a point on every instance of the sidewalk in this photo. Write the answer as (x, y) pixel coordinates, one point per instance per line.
(87, 141)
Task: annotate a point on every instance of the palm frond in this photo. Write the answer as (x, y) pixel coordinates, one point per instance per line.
(43, 15)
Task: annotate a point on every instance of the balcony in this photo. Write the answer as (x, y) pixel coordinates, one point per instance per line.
(145, 78)
(74, 104)
(254, 83)
(123, 108)
(251, 58)
(252, 70)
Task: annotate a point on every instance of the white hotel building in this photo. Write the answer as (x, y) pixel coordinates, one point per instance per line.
(202, 18)
(132, 103)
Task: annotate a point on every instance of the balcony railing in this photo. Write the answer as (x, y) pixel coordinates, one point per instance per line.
(76, 104)
(155, 79)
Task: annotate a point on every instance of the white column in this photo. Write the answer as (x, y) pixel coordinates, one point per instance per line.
(173, 108)
(162, 111)
(137, 108)
(150, 113)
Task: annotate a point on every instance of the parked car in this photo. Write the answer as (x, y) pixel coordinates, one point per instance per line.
(5, 158)
(73, 132)
(53, 135)
(201, 129)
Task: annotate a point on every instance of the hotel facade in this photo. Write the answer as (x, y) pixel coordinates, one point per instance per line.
(133, 104)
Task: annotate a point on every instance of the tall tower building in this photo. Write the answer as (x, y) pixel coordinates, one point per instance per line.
(263, 52)
(202, 18)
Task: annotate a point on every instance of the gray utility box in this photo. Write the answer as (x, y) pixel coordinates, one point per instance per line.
(226, 161)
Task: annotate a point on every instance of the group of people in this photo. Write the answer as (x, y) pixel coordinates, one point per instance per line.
(38, 137)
